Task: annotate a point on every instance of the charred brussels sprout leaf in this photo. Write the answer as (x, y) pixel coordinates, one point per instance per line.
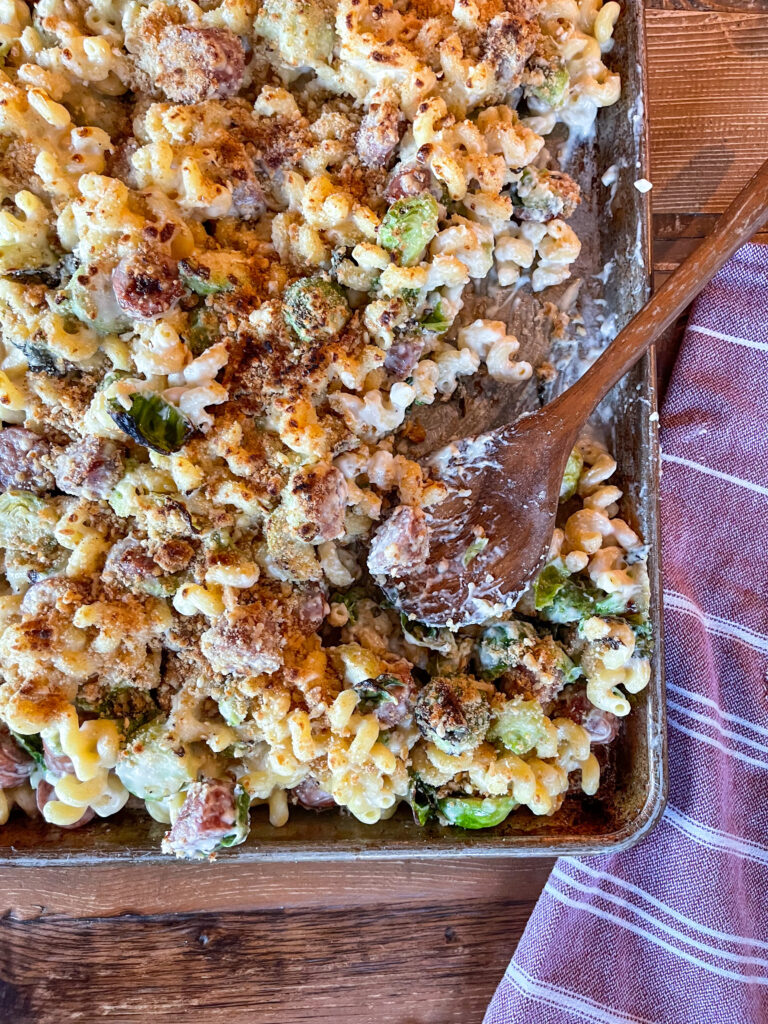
(203, 280)
(476, 811)
(408, 227)
(435, 320)
(152, 422)
(375, 692)
(549, 583)
(242, 819)
(453, 713)
(203, 331)
(422, 799)
(571, 476)
(315, 309)
(33, 745)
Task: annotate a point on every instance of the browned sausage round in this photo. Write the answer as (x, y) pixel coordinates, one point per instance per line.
(147, 284)
(15, 764)
(44, 793)
(410, 180)
(197, 64)
(90, 468)
(21, 461)
(58, 762)
(311, 796)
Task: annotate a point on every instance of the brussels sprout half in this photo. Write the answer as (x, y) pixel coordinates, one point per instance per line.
(453, 713)
(519, 725)
(375, 692)
(315, 309)
(152, 422)
(151, 768)
(203, 279)
(476, 811)
(203, 331)
(26, 521)
(90, 297)
(561, 599)
(502, 646)
(408, 227)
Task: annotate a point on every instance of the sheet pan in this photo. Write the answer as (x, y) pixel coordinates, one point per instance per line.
(614, 225)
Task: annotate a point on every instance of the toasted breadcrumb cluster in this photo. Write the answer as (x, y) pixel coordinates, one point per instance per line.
(235, 244)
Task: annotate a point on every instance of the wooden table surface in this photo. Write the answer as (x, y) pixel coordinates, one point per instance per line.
(393, 942)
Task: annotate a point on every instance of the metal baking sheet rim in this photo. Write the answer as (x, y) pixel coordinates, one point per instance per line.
(141, 844)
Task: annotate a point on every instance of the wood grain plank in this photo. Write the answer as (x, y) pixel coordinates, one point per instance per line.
(708, 103)
(119, 889)
(424, 964)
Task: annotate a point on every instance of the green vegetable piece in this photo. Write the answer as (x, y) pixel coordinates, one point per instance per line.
(90, 297)
(502, 646)
(421, 797)
(203, 331)
(435, 638)
(152, 422)
(408, 227)
(349, 599)
(518, 725)
(375, 692)
(476, 811)
(315, 309)
(562, 599)
(27, 522)
(32, 744)
(549, 583)
(152, 767)
(473, 550)
(644, 638)
(129, 707)
(242, 819)
(553, 89)
(571, 476)
(203, 279)
(436, 320)
(453, 713)
(541, 195)
(301, 30)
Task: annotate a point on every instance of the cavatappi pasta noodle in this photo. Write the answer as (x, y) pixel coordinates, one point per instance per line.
(235, 243)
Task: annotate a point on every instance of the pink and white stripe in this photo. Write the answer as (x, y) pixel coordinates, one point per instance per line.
(675, 931)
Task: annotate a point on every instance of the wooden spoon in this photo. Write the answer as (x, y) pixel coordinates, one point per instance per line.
(491, 534)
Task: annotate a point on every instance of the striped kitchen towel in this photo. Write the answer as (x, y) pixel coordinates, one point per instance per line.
(675, 931)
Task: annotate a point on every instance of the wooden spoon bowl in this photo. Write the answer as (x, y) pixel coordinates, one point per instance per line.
(491, 534)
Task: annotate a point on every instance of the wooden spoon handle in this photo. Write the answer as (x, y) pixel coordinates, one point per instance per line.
(745, 215)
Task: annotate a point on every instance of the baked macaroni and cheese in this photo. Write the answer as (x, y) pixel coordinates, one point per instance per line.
(236, 239)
